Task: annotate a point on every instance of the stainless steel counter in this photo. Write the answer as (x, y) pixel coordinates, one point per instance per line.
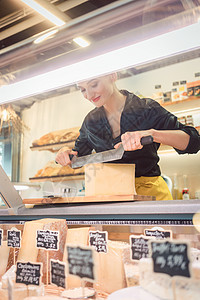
(127, 211)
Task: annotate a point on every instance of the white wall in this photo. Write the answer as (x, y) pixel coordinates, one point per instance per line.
(69, 110)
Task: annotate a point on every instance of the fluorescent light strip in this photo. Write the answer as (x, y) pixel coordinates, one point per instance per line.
(81, 42)
(45, 36)
(44, 12)
(171, 43)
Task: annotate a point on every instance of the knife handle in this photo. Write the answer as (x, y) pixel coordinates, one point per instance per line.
(146, 140)
(71, 156)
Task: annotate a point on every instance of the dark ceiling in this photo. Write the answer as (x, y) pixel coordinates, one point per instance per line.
(15, 12)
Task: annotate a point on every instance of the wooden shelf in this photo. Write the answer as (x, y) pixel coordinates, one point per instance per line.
(53, 147)
(180, 101)
(80, 176)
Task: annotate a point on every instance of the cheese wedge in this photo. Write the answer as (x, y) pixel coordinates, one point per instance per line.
(77, 237)
(4, 255)
(30, 253)
(54, 225)
(110, 268)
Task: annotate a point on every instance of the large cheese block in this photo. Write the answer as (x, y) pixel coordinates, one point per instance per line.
(110, 268)
(4, 255)
(29, 251)
(109, 179)
(54, 225)
(76, 237)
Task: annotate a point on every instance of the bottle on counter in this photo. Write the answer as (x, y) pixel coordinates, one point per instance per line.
(185, 191)
(175, 188)
(185, 194)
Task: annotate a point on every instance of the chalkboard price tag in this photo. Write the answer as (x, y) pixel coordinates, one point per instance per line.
(58, 273)
(47, 239)
(158, 234)
(170, 257)
(139, 246)
(98, 240)
(14, 238)
(28, 273)
(81, 262)
(1, 236)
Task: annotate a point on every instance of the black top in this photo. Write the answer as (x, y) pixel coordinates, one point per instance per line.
(138, 114)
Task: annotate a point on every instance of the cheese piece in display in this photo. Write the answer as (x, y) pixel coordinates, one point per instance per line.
(4, 254)
(59, 225)
(21, 292)
(110, 268)
(158, 284)
(30, 253)
(186, 288)
(76, 237)
(28, 250)
(109, 179)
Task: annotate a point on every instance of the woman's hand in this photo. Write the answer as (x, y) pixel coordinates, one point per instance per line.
(132, 140)
(62, 156)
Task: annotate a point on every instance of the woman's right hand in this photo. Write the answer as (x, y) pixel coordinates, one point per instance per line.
(62, 156)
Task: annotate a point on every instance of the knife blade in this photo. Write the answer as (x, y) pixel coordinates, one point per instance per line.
(105, 156)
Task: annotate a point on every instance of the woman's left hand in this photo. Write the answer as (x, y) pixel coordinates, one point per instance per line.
(132, 140)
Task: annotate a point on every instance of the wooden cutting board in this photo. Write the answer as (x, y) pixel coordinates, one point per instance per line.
(89, 199)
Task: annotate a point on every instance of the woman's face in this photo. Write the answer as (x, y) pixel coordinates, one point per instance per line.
(98, 90)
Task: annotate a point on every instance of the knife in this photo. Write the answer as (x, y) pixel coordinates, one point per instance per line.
(109, 155)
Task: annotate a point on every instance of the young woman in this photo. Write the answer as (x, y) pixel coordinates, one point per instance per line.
(122, 117)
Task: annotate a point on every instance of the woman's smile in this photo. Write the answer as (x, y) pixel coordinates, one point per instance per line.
(96, 99)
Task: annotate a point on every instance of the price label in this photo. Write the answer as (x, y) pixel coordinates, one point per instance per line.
(98, 240)
(139, 246)
(28, 273)
(58, 273)
(1, 236)
(80, 262)
(158, 234)
(47, 239)
(14, 238)
(170, 257)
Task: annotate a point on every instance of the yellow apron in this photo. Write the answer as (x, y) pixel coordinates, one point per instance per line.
(153, 186)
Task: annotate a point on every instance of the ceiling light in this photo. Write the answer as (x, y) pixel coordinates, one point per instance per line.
(39, 6)
(159, 47)
(81, 42)
(45, 36)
